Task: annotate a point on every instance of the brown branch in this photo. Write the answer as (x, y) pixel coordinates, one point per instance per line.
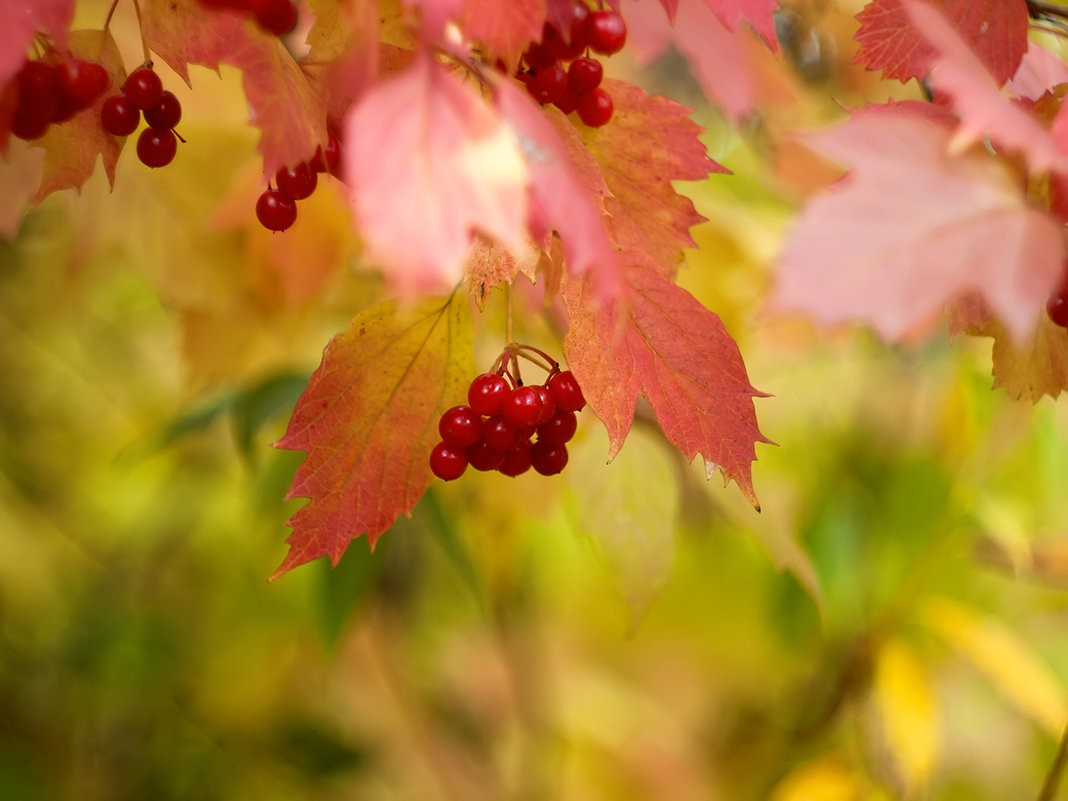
(1053, 778)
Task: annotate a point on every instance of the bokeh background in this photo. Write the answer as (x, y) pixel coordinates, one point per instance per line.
(894, 624)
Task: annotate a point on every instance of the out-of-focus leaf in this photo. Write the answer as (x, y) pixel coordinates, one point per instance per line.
(1005, 658)
(261, 403)
(827, 778)
(907, 711)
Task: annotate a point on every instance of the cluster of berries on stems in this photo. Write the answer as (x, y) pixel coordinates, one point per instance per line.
(276, 208)
(509, 426)
(578, 87)
(143, 93)
(53, 89)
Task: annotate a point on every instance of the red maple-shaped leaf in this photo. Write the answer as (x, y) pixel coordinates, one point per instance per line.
(72, 148)
(21, 20)
(912, 228)
(503, 29)
(368, 420)
(430, 163)
(670, 349)
(650, 142)
(890, 41)
(757, 14)
(283, 102)
(983, 109)
(560, 195)
(1039, 72)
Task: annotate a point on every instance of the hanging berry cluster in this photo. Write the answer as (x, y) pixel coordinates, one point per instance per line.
(276, 208)
(53, 90)
(143, 91)
(496, 430)
(578, 88)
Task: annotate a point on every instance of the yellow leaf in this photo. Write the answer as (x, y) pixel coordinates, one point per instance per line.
(827, 778)
(1005, 658)
(907, 711)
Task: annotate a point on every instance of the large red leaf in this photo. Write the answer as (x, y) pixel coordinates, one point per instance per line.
(914, 227)
(368, 420)
(503, 29)
(430, 163)
(650, 142)
(891, 42)
(667, 347)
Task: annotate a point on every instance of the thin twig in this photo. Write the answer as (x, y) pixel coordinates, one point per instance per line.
(1053, 778)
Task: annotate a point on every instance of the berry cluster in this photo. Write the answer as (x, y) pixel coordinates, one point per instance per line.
(276, 208)
(48, 93)
(495, 431)
(120, 115)
(578, 88)
(274, 16)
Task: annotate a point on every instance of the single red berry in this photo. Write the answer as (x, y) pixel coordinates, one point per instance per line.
(595, 109)
(548, 405)
(156, 147)
(548, 458)
(500, 434)
(565, 391)
(143, 87)
(37, 100)
(1057, 307)
(538, 57)
(522, 406)
(276, 210)
(82, 81)
(482, 457)
(118, 116)
(517, 460)
(549, 84)
(167, 113)
(330, 159)
(578, 33)
(460, 427)
(297, 182)
(559, 429)
(487, 393)
(584, 75)
(274, 16)
(607, 31)
(552, 41)
(567, 102)
(447, 463)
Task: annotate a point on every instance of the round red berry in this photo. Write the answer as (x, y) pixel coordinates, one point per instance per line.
(567, 103)
(517, 460)
(522, 406)
(555, 44)
(156, 147)
(1057, 308)
(167, 113)
(143, 87)
(274, 16)
(595, 109)
(330, 159)
(83, 81)
(297, 182)
(538, 57)
(500, 434)
(447, 463)
(276, 210)
(548, 458)
(37, 100)
(460, 427)
(566, 392)
(584, 75)
(548, 85)
(578, 33)
(559, 429)
(482, 457)
(606, 31)
(548, 405)
(487, 393)
(118, 116)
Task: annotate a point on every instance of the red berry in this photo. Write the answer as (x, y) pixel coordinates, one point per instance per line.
(274, 16)
(548, 458)
(1057, 307)
(330, 160)
(522, 406)
(555, 44)
(595, 109)
(559, 429)
(500, 434)
(156, 147)
(447, 463)
(166, 113)
(119, 116)
(82, 81)
(487, 393)
(578, 34)
(143, 87)
(276, 210)
(37, 100)
(548, 405)
(516, 461)
(549, 84)
(538, 57)
(460, 427)
(566, 392)
(607, 32)
(482, 457)
(567, 103)
(297, 182)
(584, 75)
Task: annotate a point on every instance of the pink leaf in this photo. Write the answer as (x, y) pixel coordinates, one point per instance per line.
(912, 228)
(983, 109)
(505, 29)
(755, 13)
(1039, 72)
(430, 163)
(20, 20)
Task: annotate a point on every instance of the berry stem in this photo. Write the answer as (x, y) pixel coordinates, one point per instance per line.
(508, 313)
(111, 13)
(141, 31)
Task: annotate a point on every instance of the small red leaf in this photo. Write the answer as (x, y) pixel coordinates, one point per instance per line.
(368, 420)
(504, 29)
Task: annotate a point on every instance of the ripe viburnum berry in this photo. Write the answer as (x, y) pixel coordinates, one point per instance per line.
(167, 113)
(156, 147)
(584, 75)
(446, 462)
(143, 87)
(565, 391)
(1057, 307)
(517, 460)
(297, 182)
(560, 428)
(548, 458)
(522, 406)
(119, 117)
(607, 32)
(460, 427)
(37, 100)
(487, 393)
(595, 108)
(276, 210)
